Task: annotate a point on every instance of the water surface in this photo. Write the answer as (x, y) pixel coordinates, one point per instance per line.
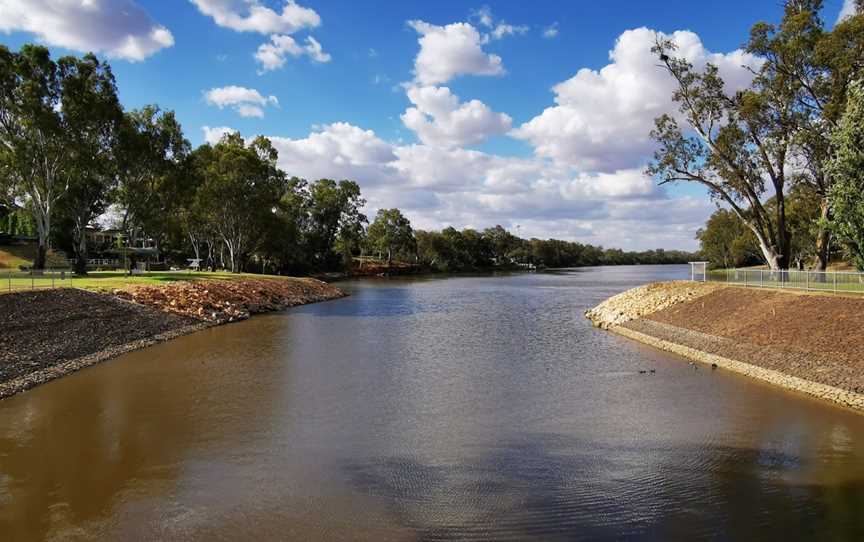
(477, 408)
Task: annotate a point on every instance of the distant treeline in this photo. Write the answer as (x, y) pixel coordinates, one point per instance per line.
(453, 250)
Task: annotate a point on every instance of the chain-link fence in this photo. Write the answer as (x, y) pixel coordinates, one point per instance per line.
(13, 281)
(823, 281)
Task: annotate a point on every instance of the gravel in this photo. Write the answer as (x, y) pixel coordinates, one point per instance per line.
(47, 334)
(43, 328)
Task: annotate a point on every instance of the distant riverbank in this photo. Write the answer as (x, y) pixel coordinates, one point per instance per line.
(50, 333)
(805, 343)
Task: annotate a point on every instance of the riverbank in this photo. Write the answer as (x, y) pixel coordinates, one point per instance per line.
(50, 333)
(813, 344)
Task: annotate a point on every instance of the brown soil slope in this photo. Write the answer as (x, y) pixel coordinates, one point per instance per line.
(816, 337)
(222, 301)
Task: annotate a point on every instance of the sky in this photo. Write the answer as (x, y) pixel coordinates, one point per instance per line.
(532, 115)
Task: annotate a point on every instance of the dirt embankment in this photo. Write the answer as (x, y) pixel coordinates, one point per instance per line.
(47, 334)
(223, 301)
(808, 343)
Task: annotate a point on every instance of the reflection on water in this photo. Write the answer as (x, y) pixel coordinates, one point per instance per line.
(468, 408)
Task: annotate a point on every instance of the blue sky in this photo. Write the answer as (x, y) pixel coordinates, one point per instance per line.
(368, 90)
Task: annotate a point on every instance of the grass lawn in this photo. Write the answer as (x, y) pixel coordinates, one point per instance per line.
(108, 280)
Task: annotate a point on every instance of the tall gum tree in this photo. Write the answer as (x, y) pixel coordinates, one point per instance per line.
(151, 154)
(92, 112)
(736, 146)
(240, 192)
(821, 64)
(847, 165)
(32, 135)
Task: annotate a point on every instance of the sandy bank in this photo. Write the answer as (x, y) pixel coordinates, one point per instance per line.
(50, 333)
(808, 343)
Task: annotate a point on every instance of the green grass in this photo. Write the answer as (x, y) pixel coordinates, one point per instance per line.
(109, 280)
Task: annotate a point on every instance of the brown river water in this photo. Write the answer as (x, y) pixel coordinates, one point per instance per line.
(471, 408)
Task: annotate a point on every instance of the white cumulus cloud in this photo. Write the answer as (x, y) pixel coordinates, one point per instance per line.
(450, 51)
(602, 119)
(255, 16)
(213, 134)
(117, 28)
(337, 151)
(248, 102)
(439, 119)
(273, 55)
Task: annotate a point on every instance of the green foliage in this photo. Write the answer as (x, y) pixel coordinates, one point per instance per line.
(241, 187)
(391, 234)
(847, 167)
(92, 111)
(154, 185)
(726, 242)
(333, 214)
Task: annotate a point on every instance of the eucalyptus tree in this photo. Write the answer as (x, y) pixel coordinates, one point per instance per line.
(152, 184)
(732, 145)
(847, 167)
(92, 112)
(757, 143)
(240, 190)
(33, 135)
(391, 233)
(820, 65)
(334, 213)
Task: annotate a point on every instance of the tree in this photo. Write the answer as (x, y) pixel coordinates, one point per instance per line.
(501, 241)
(847, 167)
(33, 135)
(334, 211)
(739, 142)
(803, 207)
(391, 233)
(240, 191)
(726, 242)
(774, 135)
(819, 66)
(93, 113)
(152, 183)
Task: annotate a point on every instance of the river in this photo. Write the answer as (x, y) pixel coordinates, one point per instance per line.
(481, 408)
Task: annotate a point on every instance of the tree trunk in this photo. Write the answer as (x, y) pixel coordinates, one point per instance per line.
(823, 237)
(772, 258)
(43, 227)
(81, 254)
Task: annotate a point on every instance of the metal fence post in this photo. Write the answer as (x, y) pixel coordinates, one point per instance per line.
(835, 283)
(761, 278)
(807, 280)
